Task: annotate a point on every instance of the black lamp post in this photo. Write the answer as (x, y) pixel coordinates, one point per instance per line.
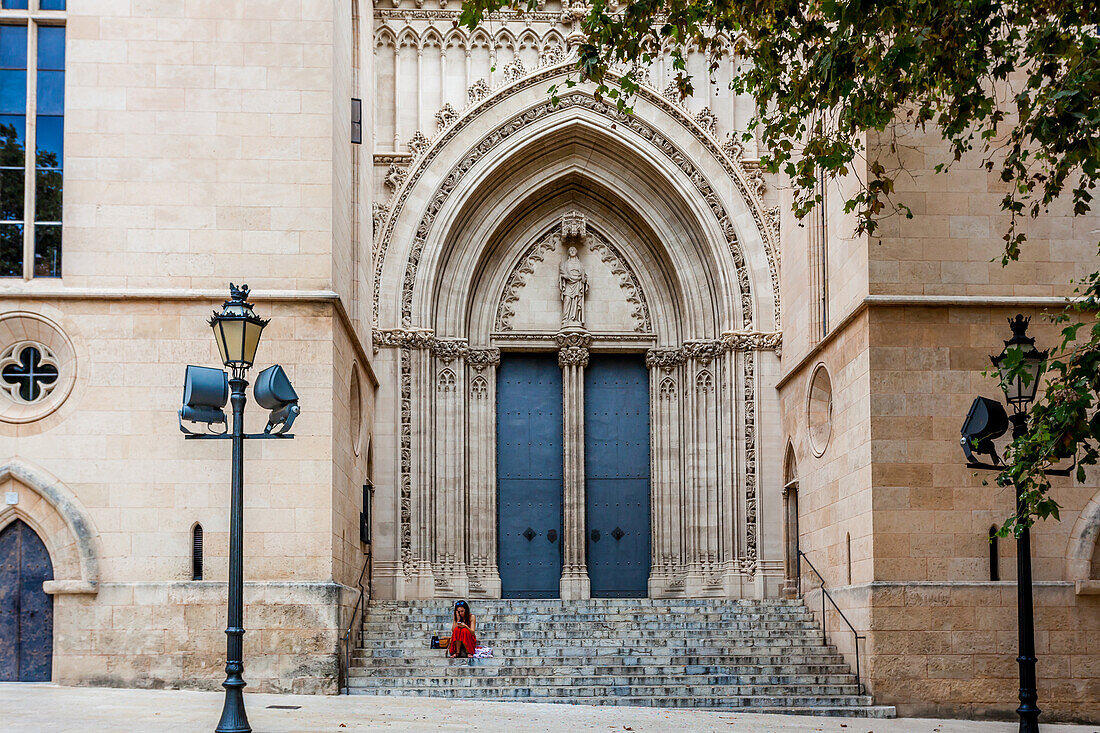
(1020, 366)
(237, 330)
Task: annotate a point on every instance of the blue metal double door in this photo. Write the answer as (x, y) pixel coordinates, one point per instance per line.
(530, 470)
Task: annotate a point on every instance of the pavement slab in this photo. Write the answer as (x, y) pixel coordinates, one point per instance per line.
(37, 708)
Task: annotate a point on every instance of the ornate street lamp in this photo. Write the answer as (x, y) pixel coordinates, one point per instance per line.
(1020, 366)
(1020, 375)
(237, 330)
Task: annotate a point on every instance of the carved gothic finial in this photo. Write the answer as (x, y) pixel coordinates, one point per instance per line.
(574, 226)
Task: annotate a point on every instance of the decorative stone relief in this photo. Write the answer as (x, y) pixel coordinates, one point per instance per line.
(748, 560)
(479, 388)
(672, 93)
(395, 176)
(667, 390)
(446, 381)
(446, 115)
(514, 70)
(552, 55)
(379, 211)
(707, 120)
(478, 91)
(418, 143)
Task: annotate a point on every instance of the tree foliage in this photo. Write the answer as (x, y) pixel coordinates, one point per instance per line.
(1014, 82)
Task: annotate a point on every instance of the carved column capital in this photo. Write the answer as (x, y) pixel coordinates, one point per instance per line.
(448, 349)
(666, 359)
(573, 356)
(573, 348)
(479, 359)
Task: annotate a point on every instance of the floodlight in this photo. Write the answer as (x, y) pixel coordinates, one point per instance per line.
(985, 422)
(205, 392)
(274, 392)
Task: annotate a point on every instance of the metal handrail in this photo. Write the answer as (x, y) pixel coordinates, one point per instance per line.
(359, 608)
(825, 594)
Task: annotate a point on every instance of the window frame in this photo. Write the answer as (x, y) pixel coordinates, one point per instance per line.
(32, 18)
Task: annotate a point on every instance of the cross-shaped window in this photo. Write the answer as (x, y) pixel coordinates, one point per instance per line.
(27, 374)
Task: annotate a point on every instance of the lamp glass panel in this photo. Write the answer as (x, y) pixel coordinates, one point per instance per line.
(1033, 367)
(233, 338)
(252, 331)
(219, 338)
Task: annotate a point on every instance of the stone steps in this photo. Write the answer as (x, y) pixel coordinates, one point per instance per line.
(754, 655)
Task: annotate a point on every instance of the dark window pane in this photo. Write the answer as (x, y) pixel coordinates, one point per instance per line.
(47, 250)
(13, 46)
(51, 92)
(12, 136)
(11, 250)
(13, 92)
(47, 195)
(51, 47)
(14, 5)
(49, 140)
(51, 4)
(11, 194)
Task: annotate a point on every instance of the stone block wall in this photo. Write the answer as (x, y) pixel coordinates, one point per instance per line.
(172, 635)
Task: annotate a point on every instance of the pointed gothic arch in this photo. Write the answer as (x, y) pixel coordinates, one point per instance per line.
(60, 520)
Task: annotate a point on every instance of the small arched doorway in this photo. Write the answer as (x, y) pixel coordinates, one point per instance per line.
(791, 587)
(26, 611)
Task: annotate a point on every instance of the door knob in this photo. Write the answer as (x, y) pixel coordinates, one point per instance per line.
(595, 535)
(552, 535)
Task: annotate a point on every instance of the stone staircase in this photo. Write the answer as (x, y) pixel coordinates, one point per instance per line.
(763, 656)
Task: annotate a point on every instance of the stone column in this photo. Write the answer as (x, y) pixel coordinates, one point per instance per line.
(666, 575)
(573, 358)
(481, 521)
(448, 488)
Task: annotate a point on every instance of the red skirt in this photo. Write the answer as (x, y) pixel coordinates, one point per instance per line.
(465, 637)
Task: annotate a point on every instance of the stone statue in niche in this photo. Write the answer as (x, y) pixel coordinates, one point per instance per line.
(573, 284)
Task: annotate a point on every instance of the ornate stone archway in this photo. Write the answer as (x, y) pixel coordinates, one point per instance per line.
(686, 259)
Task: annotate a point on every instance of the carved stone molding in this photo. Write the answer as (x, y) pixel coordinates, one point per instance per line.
(707, 350)
(748, 559)
(570, 339)
(402, 338)
(418, 143)
(395, 176)
(392, 158)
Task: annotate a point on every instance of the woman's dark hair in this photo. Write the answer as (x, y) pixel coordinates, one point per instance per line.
(462, 604)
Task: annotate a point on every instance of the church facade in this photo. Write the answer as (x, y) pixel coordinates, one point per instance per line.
(544, 348)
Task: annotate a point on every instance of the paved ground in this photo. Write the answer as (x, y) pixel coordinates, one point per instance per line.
(34, 708)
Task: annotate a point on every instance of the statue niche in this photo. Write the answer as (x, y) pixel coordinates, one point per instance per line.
(591, 287)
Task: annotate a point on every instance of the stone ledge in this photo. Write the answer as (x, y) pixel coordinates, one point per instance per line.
(70, 587)
(1087, 587)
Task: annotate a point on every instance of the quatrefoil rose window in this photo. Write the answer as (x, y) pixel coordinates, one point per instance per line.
(37, 367)
(28, 371)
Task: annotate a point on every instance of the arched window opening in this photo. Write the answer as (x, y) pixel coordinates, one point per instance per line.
(848, 552)
(994, 558)
(196, 552)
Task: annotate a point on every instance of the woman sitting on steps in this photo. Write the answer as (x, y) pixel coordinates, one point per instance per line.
(463, 642)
